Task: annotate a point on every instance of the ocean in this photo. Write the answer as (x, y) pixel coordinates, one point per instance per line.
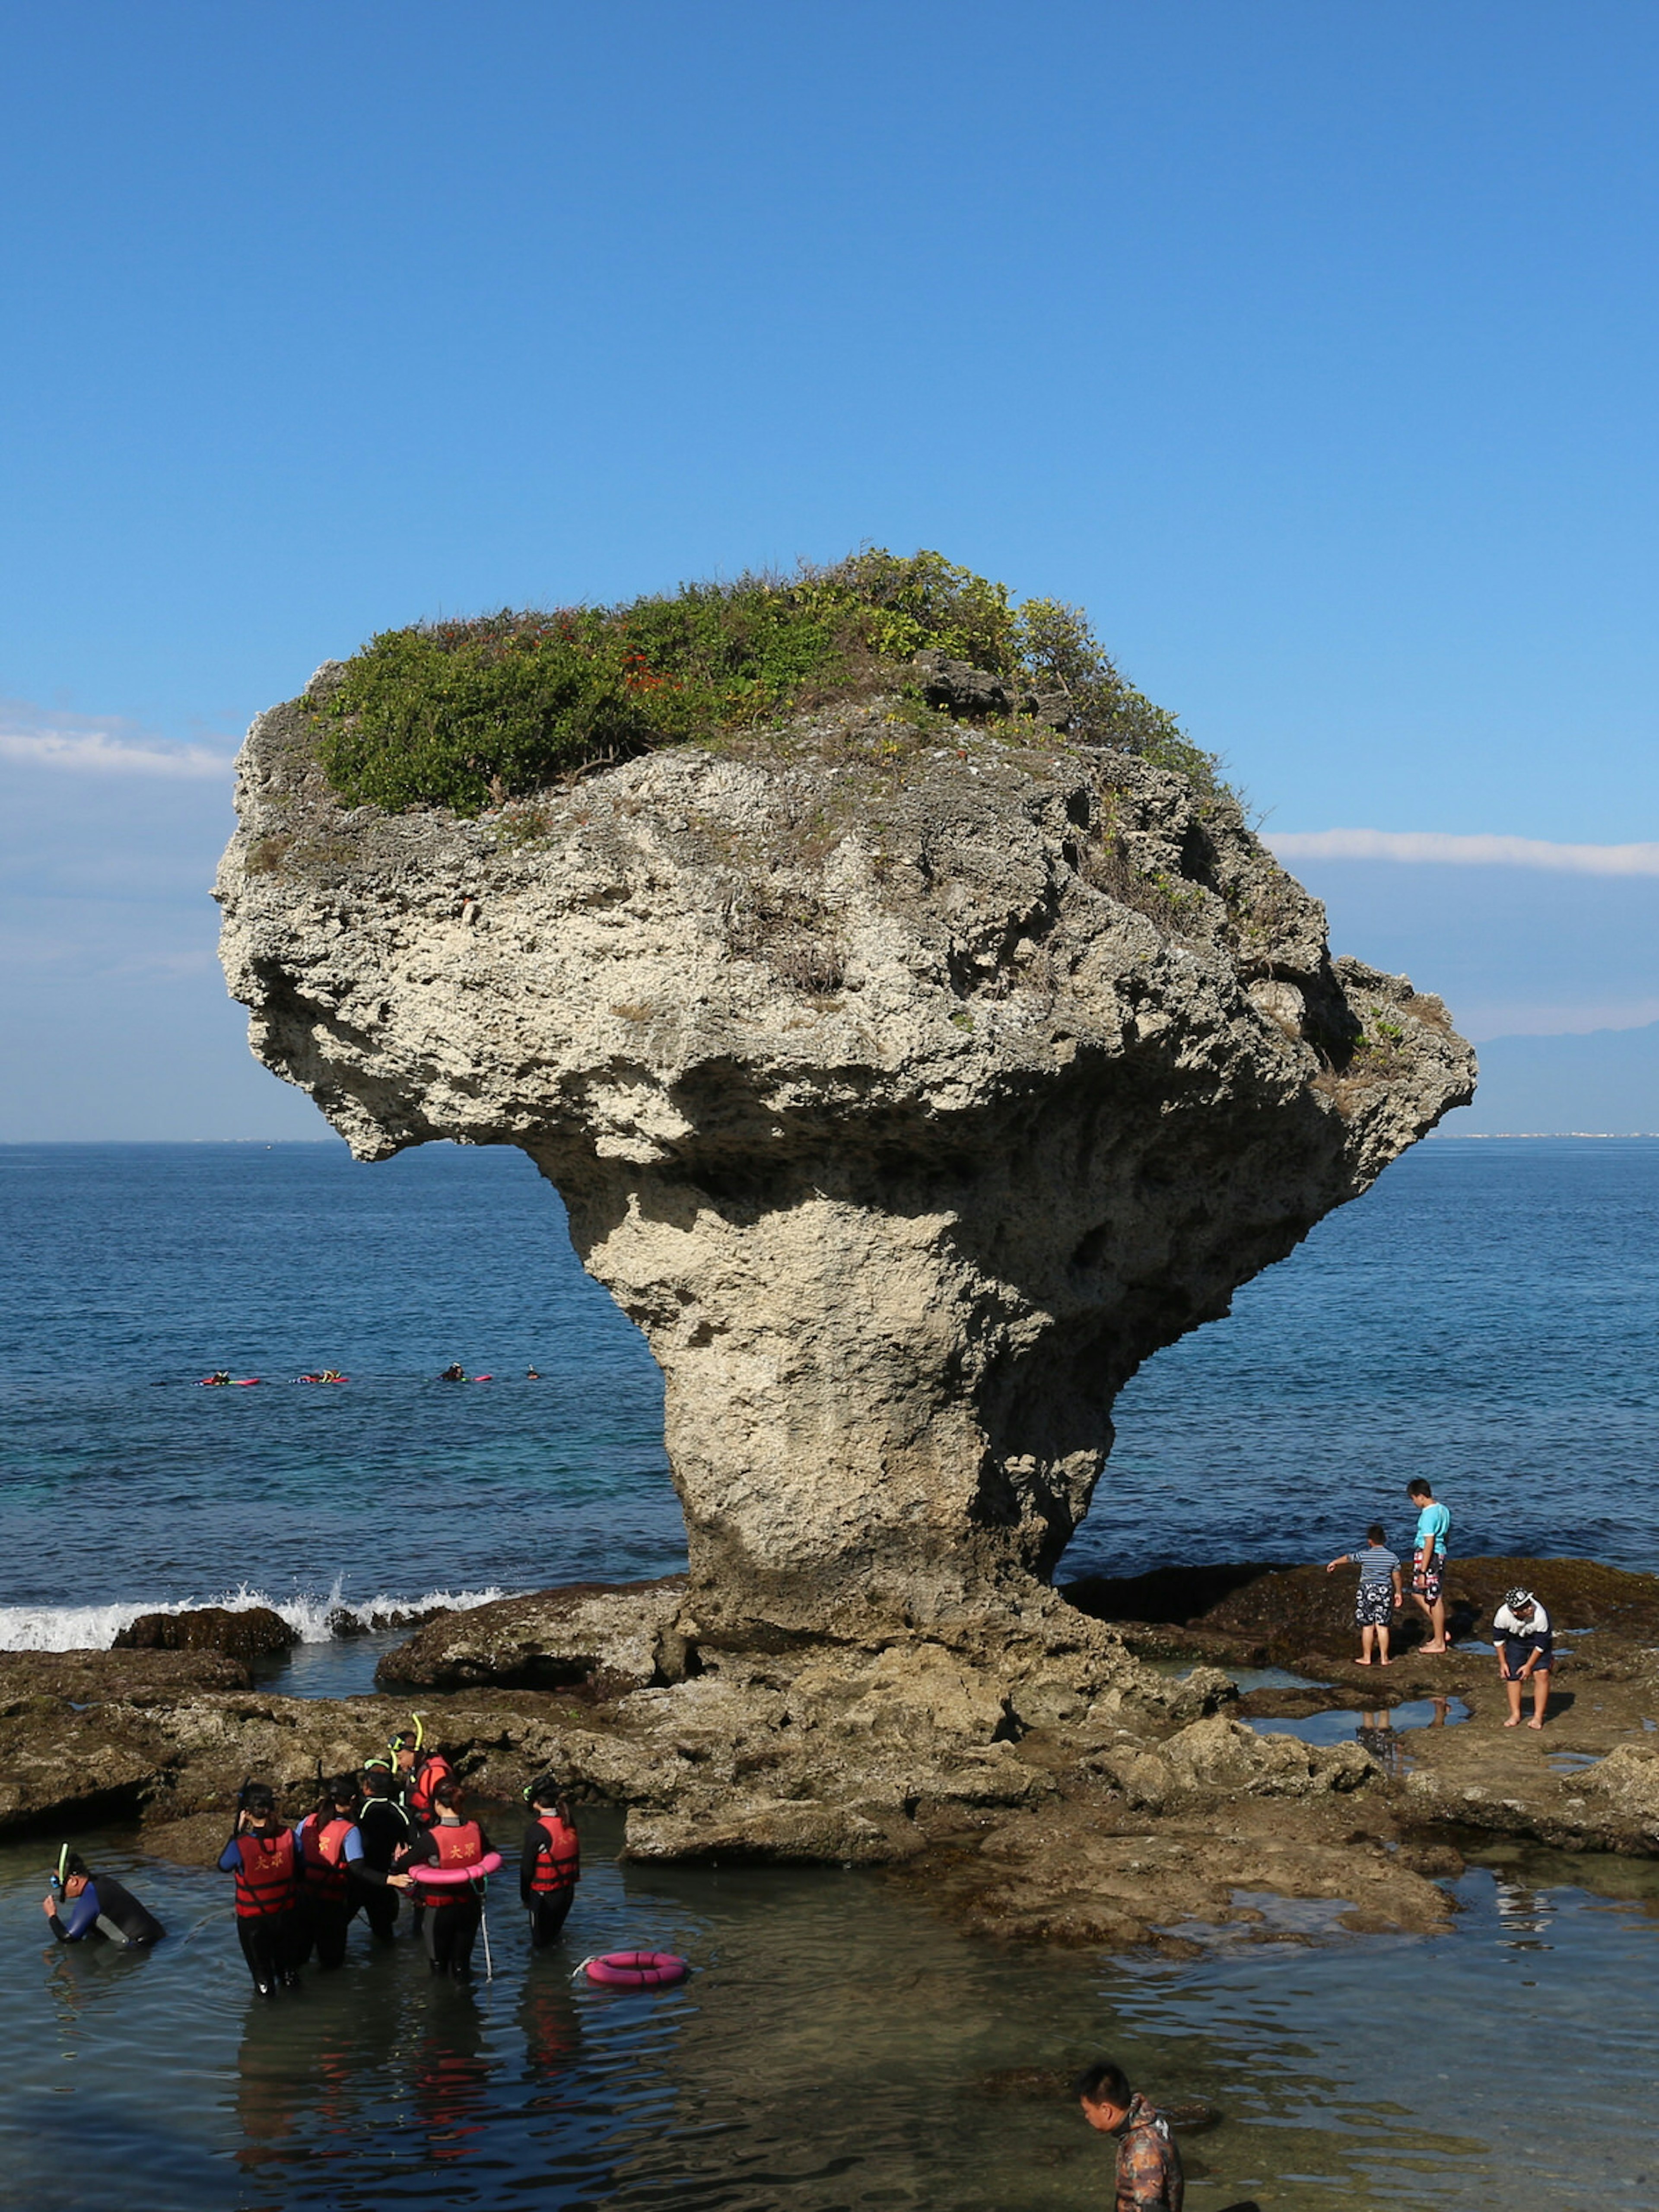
(1487, 1314)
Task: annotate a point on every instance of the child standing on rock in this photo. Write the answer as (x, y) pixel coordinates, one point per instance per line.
(1378, 1593)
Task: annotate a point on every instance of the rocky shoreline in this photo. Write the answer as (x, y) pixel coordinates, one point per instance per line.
(1037, 1773)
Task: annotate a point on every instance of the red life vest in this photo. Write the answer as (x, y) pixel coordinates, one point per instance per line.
(559, 1863)
(459, 1843)
(422, 1782)
(323, 1851)
(264, 1880)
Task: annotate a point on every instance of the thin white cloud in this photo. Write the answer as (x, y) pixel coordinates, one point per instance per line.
(1437, 846)
(99, 753)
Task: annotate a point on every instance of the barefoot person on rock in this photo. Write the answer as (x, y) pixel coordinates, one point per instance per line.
(1429, 1560)
(1379, 1595)
(1526, 1651)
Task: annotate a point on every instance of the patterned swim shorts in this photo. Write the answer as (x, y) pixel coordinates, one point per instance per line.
(1425, 1579)
(1374, 1606)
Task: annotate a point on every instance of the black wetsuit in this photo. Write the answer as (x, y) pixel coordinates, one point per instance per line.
(386, 1828)
(103, 1912)
(548, 1898)
(451, 1927)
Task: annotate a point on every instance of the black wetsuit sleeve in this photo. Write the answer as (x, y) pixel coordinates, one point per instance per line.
(423, 1848)
(535, 1843)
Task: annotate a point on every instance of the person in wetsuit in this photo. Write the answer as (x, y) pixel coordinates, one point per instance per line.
(453, 1909)
(85, 1907)
(455, 1374)
(329, 1848)
(386, 1828)
(263, 1856)
(419, 1772)
(550, 1864)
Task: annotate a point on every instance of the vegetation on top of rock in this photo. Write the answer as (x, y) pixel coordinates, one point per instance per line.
(464, 715)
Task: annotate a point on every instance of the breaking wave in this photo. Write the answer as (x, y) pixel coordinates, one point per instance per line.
(317, 1618)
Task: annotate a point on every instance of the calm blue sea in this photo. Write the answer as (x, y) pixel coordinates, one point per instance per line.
(1486, 1315)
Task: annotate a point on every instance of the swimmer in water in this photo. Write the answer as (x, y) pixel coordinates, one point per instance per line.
(84, 1906)
(532, 1375)
(455, 1374)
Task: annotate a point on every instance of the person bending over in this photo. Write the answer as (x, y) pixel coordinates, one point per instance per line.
(550, 1864)
(262, 1855)
(1525, 1652)
(85, 1906)
(453, 1909)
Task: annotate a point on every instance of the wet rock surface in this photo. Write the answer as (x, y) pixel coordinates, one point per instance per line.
(604, 1639)
(1262, 1614)
(252, 1631)
(1030, 1778)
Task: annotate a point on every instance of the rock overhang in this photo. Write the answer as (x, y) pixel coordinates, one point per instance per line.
(907, 1107)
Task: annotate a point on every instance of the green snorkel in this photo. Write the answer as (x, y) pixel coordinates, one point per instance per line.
(62, 1874)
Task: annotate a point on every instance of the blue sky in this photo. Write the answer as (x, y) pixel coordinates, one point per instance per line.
(1312, 348)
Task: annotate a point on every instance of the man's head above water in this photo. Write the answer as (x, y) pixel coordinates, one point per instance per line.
(1104, 2092)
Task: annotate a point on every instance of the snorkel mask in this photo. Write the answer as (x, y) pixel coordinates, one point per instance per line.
(404, 1741)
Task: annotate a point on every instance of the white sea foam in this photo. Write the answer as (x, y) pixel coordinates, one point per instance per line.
(95, 1627)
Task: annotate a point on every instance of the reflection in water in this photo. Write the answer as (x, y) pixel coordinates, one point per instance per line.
(831, 2052)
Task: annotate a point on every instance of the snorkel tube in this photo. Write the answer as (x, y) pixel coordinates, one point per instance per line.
(62, 1876)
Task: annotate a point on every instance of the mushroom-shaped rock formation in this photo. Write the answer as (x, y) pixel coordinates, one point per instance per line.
(908, 1086)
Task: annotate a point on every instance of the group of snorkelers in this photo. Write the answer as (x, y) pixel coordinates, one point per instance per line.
(223, 1379)
(398, 1827)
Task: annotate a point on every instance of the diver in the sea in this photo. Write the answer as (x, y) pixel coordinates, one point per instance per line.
(421, 1770)
(219, 1377)
(550, 1864)
(262, 1855)
(330, 1845)
(386, 1827)
(455, 1374)
(454, 1909)
(84, 1906)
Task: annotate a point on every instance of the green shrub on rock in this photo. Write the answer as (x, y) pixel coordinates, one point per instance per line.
(464, 715)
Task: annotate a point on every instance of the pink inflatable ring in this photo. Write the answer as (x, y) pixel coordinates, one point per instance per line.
(637, 1969)
(428, 1876)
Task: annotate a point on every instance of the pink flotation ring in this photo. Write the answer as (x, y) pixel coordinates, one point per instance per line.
(637, 1969)
(439, 1876)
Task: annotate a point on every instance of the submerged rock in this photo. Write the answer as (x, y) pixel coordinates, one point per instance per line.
(907, 1090)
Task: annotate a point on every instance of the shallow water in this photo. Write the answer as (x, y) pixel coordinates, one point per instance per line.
(826, 2054)
(1340, 1726)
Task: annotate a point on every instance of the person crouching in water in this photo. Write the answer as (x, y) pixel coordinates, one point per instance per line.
(1525, 1652)
(454, 1909)
(551, 1863)
(85, 1906)
(261, 1855)
(386, 1828)
(1149, 2175)
(331, 1849)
